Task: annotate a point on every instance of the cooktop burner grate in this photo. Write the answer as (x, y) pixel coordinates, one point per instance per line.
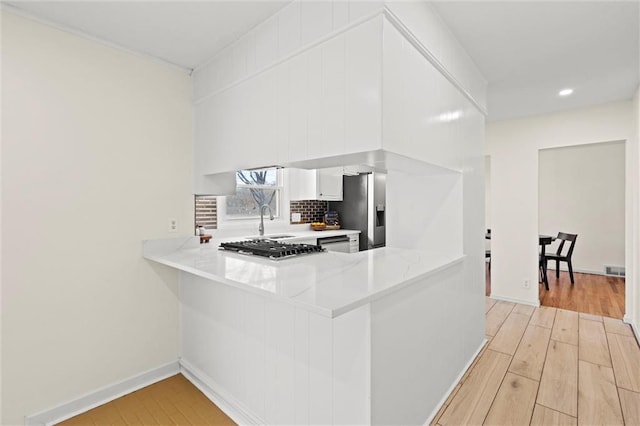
(270, 248)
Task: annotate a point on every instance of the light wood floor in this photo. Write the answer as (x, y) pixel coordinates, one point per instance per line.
(541, 366)
(591, 294)
(173, 401)
(546, 366)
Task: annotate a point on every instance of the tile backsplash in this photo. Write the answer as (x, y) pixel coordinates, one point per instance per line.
(310, 210)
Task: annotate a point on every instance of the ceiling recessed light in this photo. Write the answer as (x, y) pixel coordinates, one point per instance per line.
(565, 92)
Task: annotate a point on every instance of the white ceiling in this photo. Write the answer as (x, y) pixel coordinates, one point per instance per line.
(527, 51)
(184, 33)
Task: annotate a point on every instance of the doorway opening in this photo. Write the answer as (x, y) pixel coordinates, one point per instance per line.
(582, 192)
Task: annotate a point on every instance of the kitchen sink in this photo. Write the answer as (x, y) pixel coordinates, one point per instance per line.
(269, 237)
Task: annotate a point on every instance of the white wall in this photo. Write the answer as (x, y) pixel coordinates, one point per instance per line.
(96, 156)
(581, 191)
(487, 192)
(513, 146)
(632, 293)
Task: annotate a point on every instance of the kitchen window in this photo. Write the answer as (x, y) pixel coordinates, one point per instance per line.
(254, 188)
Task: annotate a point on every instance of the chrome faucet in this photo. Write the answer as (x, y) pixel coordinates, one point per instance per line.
(262, 209)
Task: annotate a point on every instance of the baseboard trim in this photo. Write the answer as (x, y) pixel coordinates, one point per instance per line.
(454, 384)
(102, 396)
(225, 402)
(579, 271)
(636, 332)
(535, 304)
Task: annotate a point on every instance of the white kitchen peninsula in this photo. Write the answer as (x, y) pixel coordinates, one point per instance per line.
(383, 338)
(328, 338)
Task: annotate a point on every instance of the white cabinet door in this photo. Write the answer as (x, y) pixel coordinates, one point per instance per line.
(329, 184)
(333, 98)
(363, 77)
(298, 106)
(301, 184)
(354, 243)
(321, 184)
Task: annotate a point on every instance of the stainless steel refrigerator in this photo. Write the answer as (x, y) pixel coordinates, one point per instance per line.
(363, 207)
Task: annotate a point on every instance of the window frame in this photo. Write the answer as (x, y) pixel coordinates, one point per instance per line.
(279, 188)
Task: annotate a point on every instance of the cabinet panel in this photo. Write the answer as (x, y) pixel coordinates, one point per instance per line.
(330, 184)
(267, 43)
(320, 370)
(279, 359)
(317, 17)
(283, 101)
(354, 243)
(333, 97)
(254, 330)
(298, 113)
(261, 148)
(393, 87)
(321, 184)
(314, 104)
(301, 367)
(340, 14)
(361, 8)
(289, 29)
(363, 84)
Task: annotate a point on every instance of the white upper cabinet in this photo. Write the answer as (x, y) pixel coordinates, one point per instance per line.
(363, 82)
(317, 20)
(324, 101)
(298, 106)
(320, 184)
(424, 113)
(320, 80)
(329, 184)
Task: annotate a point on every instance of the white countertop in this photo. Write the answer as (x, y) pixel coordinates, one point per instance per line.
(304, 235)
(328, 283)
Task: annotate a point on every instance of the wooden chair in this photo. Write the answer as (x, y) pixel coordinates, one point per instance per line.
(563, 256)
(487, 253)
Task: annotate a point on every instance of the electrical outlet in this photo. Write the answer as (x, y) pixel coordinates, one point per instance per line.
(296, 217)
(526, 284)
(173, 225)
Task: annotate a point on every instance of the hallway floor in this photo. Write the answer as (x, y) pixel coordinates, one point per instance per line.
(591, 294)
(545, 366)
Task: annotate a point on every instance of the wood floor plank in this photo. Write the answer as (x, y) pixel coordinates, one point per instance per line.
(625, 356)
(445, 405)
(593, 343)
(508, 337)
(594, 294)
(565, 327)
(513, 405)
(559, 384)
(497, 315)
(543, 416)
(630, 402)
(529, 358)
(597, 396)
(591, 317)
(488, 303)
(612, 325)
(523, 309)
(472, 402)
(543, 316)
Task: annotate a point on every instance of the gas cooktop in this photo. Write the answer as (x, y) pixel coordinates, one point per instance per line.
(270, 248)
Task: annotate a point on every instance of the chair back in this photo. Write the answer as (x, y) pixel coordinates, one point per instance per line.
(564, 238)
